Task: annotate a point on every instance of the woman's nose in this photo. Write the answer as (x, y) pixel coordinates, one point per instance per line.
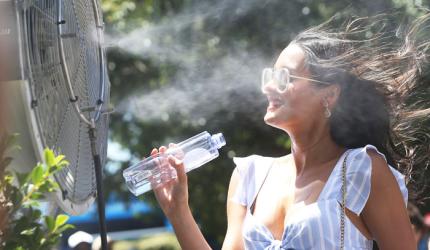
(268, 87)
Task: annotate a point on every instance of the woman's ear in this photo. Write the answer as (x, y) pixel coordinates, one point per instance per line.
(331, 94)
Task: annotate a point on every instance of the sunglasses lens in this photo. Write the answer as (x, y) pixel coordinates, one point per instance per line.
(266, 77)
(280, 77)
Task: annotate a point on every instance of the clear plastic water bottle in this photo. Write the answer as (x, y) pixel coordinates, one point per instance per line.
(156, 170)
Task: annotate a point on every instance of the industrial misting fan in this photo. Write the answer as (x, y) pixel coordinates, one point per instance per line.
(58, 80)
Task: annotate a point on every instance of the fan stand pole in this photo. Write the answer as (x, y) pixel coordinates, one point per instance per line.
(99, 180)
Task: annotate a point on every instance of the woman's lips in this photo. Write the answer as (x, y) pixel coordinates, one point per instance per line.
(273, 106)
(274, 103)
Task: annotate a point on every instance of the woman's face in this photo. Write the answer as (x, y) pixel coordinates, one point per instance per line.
(301, 102)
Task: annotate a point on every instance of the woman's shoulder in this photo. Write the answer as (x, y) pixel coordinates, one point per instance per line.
(365, 165)
(370, 157)
(254, 165)
(364, 158)
(369, 150)
(251, 158)
(249, 173)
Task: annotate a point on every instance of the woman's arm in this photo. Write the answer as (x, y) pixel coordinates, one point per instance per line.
(235, 216)
(385, 213)
(173, 199)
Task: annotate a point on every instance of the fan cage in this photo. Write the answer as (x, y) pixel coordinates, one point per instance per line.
(68, 87)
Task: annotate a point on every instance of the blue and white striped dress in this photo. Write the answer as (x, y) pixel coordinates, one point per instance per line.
(317, 225)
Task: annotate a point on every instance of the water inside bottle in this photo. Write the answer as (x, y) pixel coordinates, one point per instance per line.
(196, 157)
(145, 180)
(138, 182)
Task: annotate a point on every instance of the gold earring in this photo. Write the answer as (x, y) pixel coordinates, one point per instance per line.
(327, 112)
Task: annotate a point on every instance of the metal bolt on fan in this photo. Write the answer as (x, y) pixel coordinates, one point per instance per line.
(63, 83)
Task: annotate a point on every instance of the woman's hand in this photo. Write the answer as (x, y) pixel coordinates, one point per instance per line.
(173, 199)
(173, 194)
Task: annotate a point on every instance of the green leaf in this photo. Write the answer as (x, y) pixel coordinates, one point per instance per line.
(65, 227)
(58, 159)
(37, 196)
(29, 231)
(44, 188)
(36, 214)
(49, 157)
(42, 241)
(60, 220)
(63, 163)
(54, 185)
(50, 223)
(22, 178)
(31, 203)
(37, 175)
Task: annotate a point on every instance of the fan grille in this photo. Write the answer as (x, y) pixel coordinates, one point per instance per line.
(59, 124)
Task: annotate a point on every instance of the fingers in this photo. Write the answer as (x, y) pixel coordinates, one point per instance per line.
(176, 151)
(179, 166)
(162, 149)
(154, 151)
(161, 164)
(174, 161)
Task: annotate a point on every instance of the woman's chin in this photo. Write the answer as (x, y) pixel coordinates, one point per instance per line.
(271, 119)
(276, 120)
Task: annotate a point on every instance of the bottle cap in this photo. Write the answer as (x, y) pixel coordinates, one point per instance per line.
(218, 140)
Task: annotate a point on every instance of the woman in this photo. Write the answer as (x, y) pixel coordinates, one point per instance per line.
(341, 96)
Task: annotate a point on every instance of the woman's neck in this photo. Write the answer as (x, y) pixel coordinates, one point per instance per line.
(310, 149)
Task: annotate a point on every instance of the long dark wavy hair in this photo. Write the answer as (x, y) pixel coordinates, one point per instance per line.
(384, 75)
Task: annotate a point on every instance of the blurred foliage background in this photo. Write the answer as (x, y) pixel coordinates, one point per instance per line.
(179, 67)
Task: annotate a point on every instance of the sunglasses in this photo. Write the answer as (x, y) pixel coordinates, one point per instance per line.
(281, 78)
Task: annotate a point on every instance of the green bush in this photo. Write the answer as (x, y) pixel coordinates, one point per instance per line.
(23, 225)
